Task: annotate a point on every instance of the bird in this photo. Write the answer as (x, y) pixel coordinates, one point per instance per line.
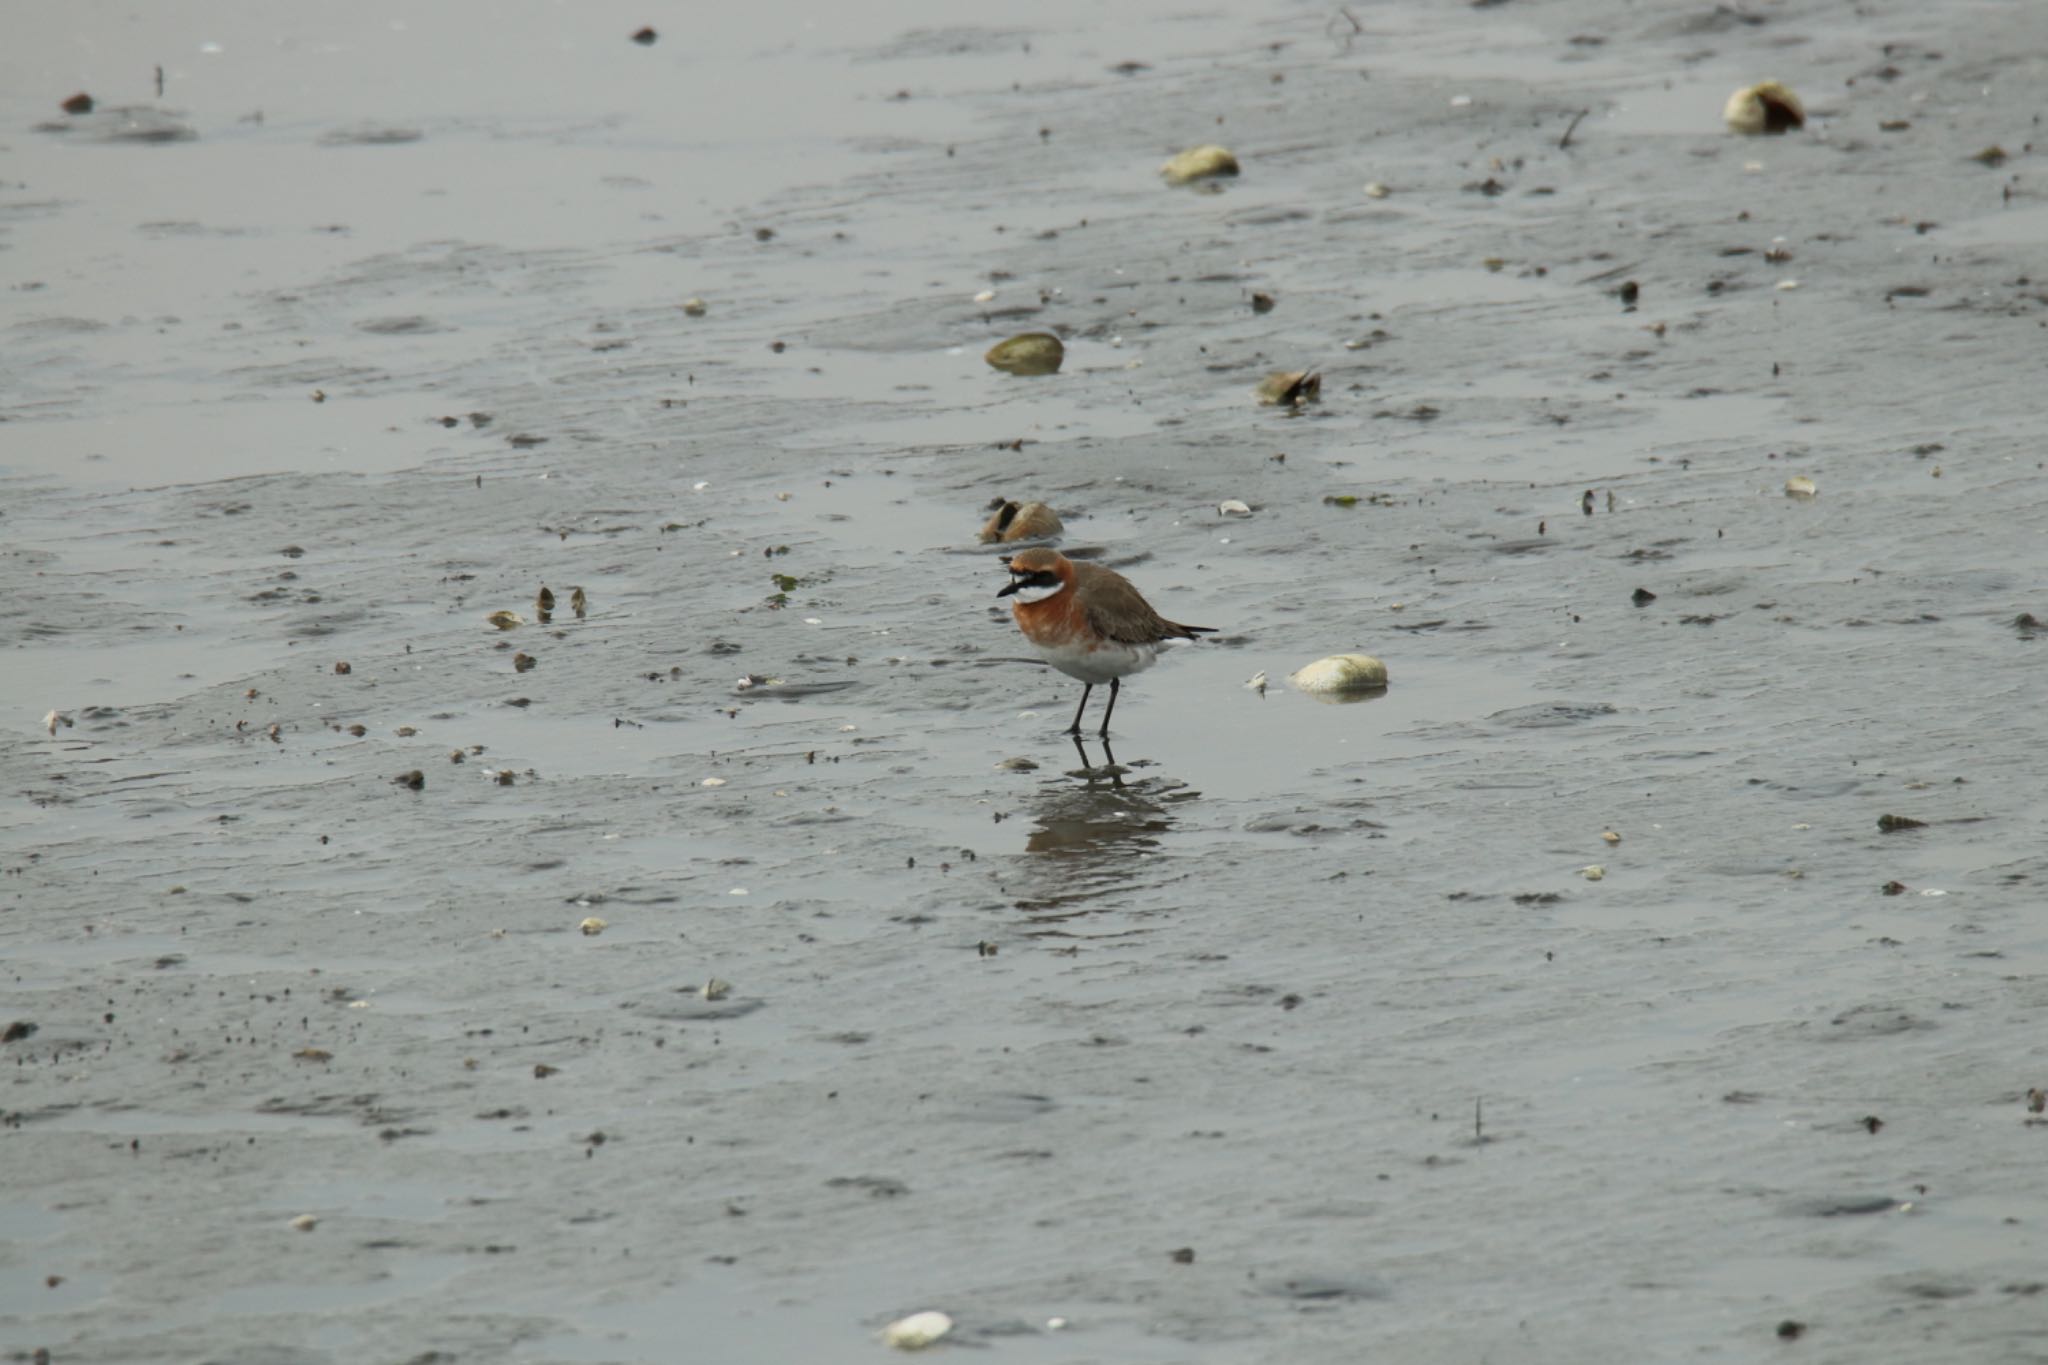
(1088, 622)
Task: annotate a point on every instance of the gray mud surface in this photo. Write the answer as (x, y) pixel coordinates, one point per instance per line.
(1300, 1032)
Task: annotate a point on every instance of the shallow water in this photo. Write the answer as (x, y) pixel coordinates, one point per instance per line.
(1322, 995)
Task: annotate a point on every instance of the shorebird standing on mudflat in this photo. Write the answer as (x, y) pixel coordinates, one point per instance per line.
(1088, 622)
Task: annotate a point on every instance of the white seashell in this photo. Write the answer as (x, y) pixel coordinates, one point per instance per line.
(1199, 163)
(712, 782)
(1341, 673)
(1256, 683)
(1233, 508)
(592, 927)
(305, 1222)
(1375, 190)
(1766, 107)
(1799, 486)
(714, 989)
(917, 1331)
(1593, 872)
(985, 296)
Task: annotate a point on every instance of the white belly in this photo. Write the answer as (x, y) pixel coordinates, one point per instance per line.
(1106, 661)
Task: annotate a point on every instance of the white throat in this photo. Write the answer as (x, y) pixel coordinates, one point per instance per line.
(1036, 594)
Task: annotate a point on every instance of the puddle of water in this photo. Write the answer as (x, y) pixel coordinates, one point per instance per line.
(411, 1201)
(28, 1297)
(148, 1123)
(398, 1278)
(737, 1317)
(1690, 107)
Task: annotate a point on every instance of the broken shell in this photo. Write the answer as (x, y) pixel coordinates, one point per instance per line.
(917, 1331)
(578, 603)
(1341, 674)
(505, 620)
(1022, 521)
(592, 927)
(1766, 107)
(712, 782)
(415, 780)
(1199, 163)
(714, 989)
(1593, 872)
(1028, 353)
(694, 307)
(1610, 836)
(523, 662)
(1290, 388)
(1256, 683)
(1799, 486)
(1232, 507)
(55, 719)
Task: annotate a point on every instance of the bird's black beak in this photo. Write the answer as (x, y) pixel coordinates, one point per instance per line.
(1015, 584)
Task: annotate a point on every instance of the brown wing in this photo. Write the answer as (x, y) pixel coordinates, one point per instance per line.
(1118, 612)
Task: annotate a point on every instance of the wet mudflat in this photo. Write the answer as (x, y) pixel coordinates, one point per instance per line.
(1289, 1031)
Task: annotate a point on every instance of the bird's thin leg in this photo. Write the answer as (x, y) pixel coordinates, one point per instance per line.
(1086, 688)
(1114, 685)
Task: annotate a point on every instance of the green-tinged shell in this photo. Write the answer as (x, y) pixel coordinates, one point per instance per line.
(1766, 107)
(1290, 388)
(1029, 353)
(1199, 163)
(1341, 676)
(1015, 521)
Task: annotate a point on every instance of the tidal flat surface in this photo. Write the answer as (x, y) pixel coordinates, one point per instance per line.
(1285, 1032)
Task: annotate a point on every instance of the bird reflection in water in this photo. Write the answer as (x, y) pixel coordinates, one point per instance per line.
(1094, 831)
